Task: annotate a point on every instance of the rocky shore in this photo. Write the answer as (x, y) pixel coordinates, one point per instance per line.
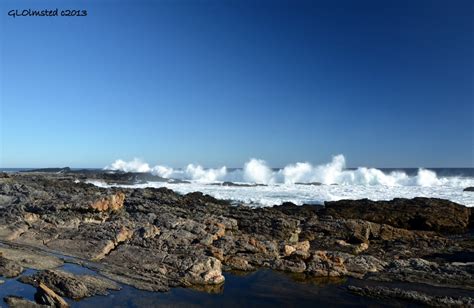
(155, 239)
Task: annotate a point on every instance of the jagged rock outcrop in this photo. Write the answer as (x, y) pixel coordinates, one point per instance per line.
(155, 239)
(427, 214)
(110, 203)
(413, 296)
(70, 285)
(19, 302)
(9, 268)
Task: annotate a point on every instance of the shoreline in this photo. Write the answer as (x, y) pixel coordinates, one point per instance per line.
(155, 239)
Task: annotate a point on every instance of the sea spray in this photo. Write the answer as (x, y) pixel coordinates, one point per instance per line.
(199, 174)
(135, 165)
(258, 171)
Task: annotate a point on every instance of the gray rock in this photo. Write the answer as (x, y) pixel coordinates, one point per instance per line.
(413, 296)
(19, 302)
(70, 285)
(156, 239)
(429, 214)
(422, 271)
(9, 268)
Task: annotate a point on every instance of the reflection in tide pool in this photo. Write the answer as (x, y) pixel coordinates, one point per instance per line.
(262, 288)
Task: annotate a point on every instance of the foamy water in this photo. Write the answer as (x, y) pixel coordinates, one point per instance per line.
(282, 185)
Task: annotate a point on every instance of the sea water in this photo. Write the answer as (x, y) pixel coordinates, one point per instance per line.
(304, 183)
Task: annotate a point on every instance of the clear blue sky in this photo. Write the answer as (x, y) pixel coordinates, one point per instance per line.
(386, 83)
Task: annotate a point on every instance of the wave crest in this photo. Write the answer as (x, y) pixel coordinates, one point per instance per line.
(135, 165)
(258, 171)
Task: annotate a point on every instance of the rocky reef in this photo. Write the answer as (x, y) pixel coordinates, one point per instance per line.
(155, 239)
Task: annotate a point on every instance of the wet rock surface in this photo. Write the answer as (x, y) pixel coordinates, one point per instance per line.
(70, 285)
(9, 268)
(18, 302)
(413, 296)
(155, 239)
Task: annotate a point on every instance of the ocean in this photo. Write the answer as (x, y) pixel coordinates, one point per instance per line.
(304, 183)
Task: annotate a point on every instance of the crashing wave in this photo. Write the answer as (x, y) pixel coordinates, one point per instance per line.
(257, 171)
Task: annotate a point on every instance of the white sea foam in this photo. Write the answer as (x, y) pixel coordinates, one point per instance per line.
(135, 165)
(282, 184)
(199, 174)
(300, 194)
(257, 171)
(191, 172)
(163, 171)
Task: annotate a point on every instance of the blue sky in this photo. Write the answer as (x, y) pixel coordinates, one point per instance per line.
(386, 83)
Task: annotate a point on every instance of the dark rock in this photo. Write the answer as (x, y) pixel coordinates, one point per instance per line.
(53, 170)
(304, 211)
(69, 285)
(412, 214)
(125, 178)
(178, 181)
(20, 302)
(412, 296)
(422, 271)
(9, 268)
(241, 185)
(468, 189)
(4, 175)
(155, 239)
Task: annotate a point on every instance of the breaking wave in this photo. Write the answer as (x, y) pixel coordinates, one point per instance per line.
(191, 172)
(258, 171)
